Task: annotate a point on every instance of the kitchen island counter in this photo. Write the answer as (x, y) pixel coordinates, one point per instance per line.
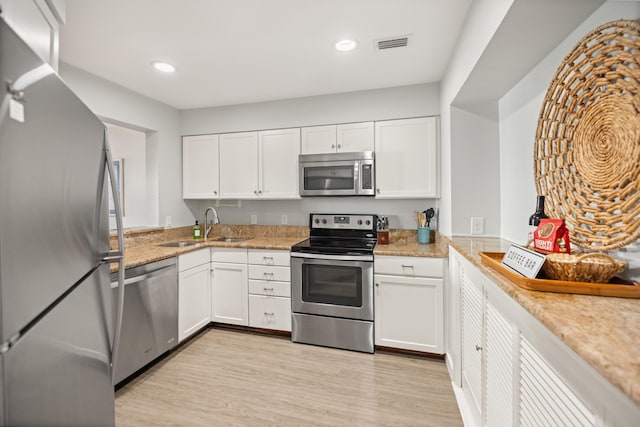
(604, 331)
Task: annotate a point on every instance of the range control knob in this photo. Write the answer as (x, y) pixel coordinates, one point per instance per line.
(317, 221)
(324, 221)
(359, 222)
(368, 222)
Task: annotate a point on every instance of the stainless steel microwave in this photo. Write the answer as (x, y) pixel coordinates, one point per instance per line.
(337, 174)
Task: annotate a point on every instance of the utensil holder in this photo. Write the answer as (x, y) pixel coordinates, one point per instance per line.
(424, 234)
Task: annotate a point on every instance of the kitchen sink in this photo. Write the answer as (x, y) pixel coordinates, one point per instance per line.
(230, 239)
(180, 244)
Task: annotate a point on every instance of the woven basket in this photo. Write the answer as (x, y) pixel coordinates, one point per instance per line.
(587, 147)
(584, 267)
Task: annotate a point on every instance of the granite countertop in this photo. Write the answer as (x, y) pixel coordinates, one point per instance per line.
(604, 331)
(142, 246)
(405, 243)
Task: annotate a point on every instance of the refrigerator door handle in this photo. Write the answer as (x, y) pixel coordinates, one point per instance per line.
(116, 256)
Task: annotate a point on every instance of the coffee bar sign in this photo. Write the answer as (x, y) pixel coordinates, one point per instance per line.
(523, 261)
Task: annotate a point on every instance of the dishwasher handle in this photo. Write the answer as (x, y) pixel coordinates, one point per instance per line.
(142, 277)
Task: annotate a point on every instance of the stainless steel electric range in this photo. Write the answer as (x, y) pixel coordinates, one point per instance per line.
(332, 282)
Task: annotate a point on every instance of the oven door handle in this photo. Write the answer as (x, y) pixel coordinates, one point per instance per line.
(333, 257)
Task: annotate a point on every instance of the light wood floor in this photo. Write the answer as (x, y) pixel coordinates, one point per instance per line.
(230, 378)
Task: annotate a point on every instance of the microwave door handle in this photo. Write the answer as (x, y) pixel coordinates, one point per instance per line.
(356, 177)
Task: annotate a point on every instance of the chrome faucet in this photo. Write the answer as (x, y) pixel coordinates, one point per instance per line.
(216, 220)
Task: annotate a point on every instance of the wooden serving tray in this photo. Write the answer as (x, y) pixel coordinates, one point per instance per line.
(617, 287)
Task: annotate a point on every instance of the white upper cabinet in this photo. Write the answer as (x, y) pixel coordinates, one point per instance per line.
(355, 137)
(278, 152)
(239, 165)
(200, 155)
(260, 164)
(343, 138)
(319, 139)
(407, 158)
(37, 22)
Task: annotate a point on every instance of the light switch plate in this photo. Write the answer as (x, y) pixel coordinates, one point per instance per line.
(254, 219)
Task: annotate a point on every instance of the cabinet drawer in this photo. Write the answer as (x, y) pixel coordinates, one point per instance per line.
(269, 257)
(193, 259)
(270, 312)
(229, 255)
(268, 288)
(409, 266)
(281, 274)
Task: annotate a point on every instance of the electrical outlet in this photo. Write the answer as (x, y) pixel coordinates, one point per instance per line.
(283, 220)
(167, 221)
(477, 225)
(254, 219)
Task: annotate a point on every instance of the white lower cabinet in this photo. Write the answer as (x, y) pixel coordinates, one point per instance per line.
(194, 310)
(229, 286)
(269, 290)
(509, 370)
(409, 306)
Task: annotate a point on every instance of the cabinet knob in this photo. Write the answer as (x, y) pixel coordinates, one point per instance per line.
(259, 191)
(333, 145)
(215, 192)
(255, 192)
(377, 284)
(478, 348)
(378, 190)
(339, 146)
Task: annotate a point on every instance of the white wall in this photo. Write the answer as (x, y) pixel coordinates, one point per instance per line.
(130, 146)
(377, 104)
(161, 124)
(371, 105)
(519, 110)
(482, 21)
(475, 169)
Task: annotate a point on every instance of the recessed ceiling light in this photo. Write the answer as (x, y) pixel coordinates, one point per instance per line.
(165, 67)
(346, 45)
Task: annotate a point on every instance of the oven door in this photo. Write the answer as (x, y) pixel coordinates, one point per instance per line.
(332, 285)
(335, 178)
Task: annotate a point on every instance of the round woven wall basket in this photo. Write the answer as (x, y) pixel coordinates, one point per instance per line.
(587, 147)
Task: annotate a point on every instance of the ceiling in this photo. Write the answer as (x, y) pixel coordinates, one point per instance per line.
(242, 51)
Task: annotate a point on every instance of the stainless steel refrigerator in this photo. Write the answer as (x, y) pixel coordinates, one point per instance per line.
(57, 330)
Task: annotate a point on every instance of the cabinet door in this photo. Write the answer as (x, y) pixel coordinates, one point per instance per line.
(229, 300)
(545, 399)
(408, 313)
(194, 310)
(319, 139)
(200, 160)
(278, 152)
(472, 327)
(407, 158)
(499, 360)
(355, 137)
(239, 165)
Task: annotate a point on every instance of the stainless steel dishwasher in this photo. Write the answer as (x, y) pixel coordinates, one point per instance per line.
(150, 315)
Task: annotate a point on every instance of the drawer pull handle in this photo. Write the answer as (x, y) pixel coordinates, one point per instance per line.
(267, 258)
(268, 289)
(407, 266)
(268, 274)
(478, 348)
(269, 314)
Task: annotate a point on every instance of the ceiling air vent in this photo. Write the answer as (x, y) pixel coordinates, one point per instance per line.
(392, 42)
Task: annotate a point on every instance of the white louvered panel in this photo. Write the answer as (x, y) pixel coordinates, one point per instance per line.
(499, 369)
(472, 339)
(544, 398)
